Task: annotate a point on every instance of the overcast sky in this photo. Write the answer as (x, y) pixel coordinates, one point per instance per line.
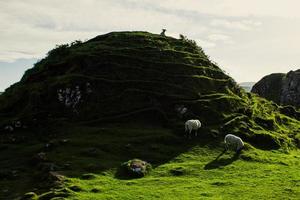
(248, 39)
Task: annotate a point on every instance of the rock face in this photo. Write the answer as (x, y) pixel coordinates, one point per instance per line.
(281, 88)
(290, 93)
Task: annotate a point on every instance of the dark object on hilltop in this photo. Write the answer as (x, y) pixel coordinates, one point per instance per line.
(163, 33)
(134, 169)
(283, 89)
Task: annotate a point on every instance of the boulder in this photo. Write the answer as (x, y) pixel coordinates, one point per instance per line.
(135, 168)
(283, 89)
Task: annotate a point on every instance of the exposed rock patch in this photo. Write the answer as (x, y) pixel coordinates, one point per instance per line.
(281, 88)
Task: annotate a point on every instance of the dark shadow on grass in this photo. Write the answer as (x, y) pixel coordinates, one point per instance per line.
(221, 162)
(82, 151)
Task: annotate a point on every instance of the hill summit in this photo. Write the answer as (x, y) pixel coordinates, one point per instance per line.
(142, 77)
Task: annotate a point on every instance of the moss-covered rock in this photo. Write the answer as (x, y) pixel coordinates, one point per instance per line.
(135, 168)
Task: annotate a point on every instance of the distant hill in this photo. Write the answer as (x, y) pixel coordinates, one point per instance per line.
(281, 88)
(247, 85)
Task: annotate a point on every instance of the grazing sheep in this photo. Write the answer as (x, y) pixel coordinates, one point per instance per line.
(233, 141)
(192, 124)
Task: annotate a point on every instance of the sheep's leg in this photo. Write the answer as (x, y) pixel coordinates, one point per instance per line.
(190, 133)
(186, 130)
(226, 147)
(196, 132)
(239, 149)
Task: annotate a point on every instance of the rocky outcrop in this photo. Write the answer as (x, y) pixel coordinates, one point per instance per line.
(281, 88)
(290, 93)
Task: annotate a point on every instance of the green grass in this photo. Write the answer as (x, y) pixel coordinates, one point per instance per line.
(236, 179)
(182, 168)
(138, 79)
(204, 171)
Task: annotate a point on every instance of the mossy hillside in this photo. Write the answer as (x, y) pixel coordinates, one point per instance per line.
(144, 76)
(122, 67)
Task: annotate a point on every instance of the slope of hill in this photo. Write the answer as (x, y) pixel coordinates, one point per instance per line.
(89, 106)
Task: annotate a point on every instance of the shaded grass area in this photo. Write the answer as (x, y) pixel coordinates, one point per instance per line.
(86, 149)
(182, 168)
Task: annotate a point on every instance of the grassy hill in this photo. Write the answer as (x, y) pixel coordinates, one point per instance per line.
(88, 107)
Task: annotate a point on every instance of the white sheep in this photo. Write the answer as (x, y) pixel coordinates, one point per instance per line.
(233, 141)
(192, 124)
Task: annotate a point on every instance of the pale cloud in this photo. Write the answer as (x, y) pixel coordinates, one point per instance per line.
(37, 26)
(219, 37)
(234, 8)
(205, 44)
(243, 25)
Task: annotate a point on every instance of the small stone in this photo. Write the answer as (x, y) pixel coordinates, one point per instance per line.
(88, 176)
(90, 152)
(55, 176)
(47, 167)
(64, 141)
(67, 166)
(95, 190)
(75, 188)
(38, 158)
